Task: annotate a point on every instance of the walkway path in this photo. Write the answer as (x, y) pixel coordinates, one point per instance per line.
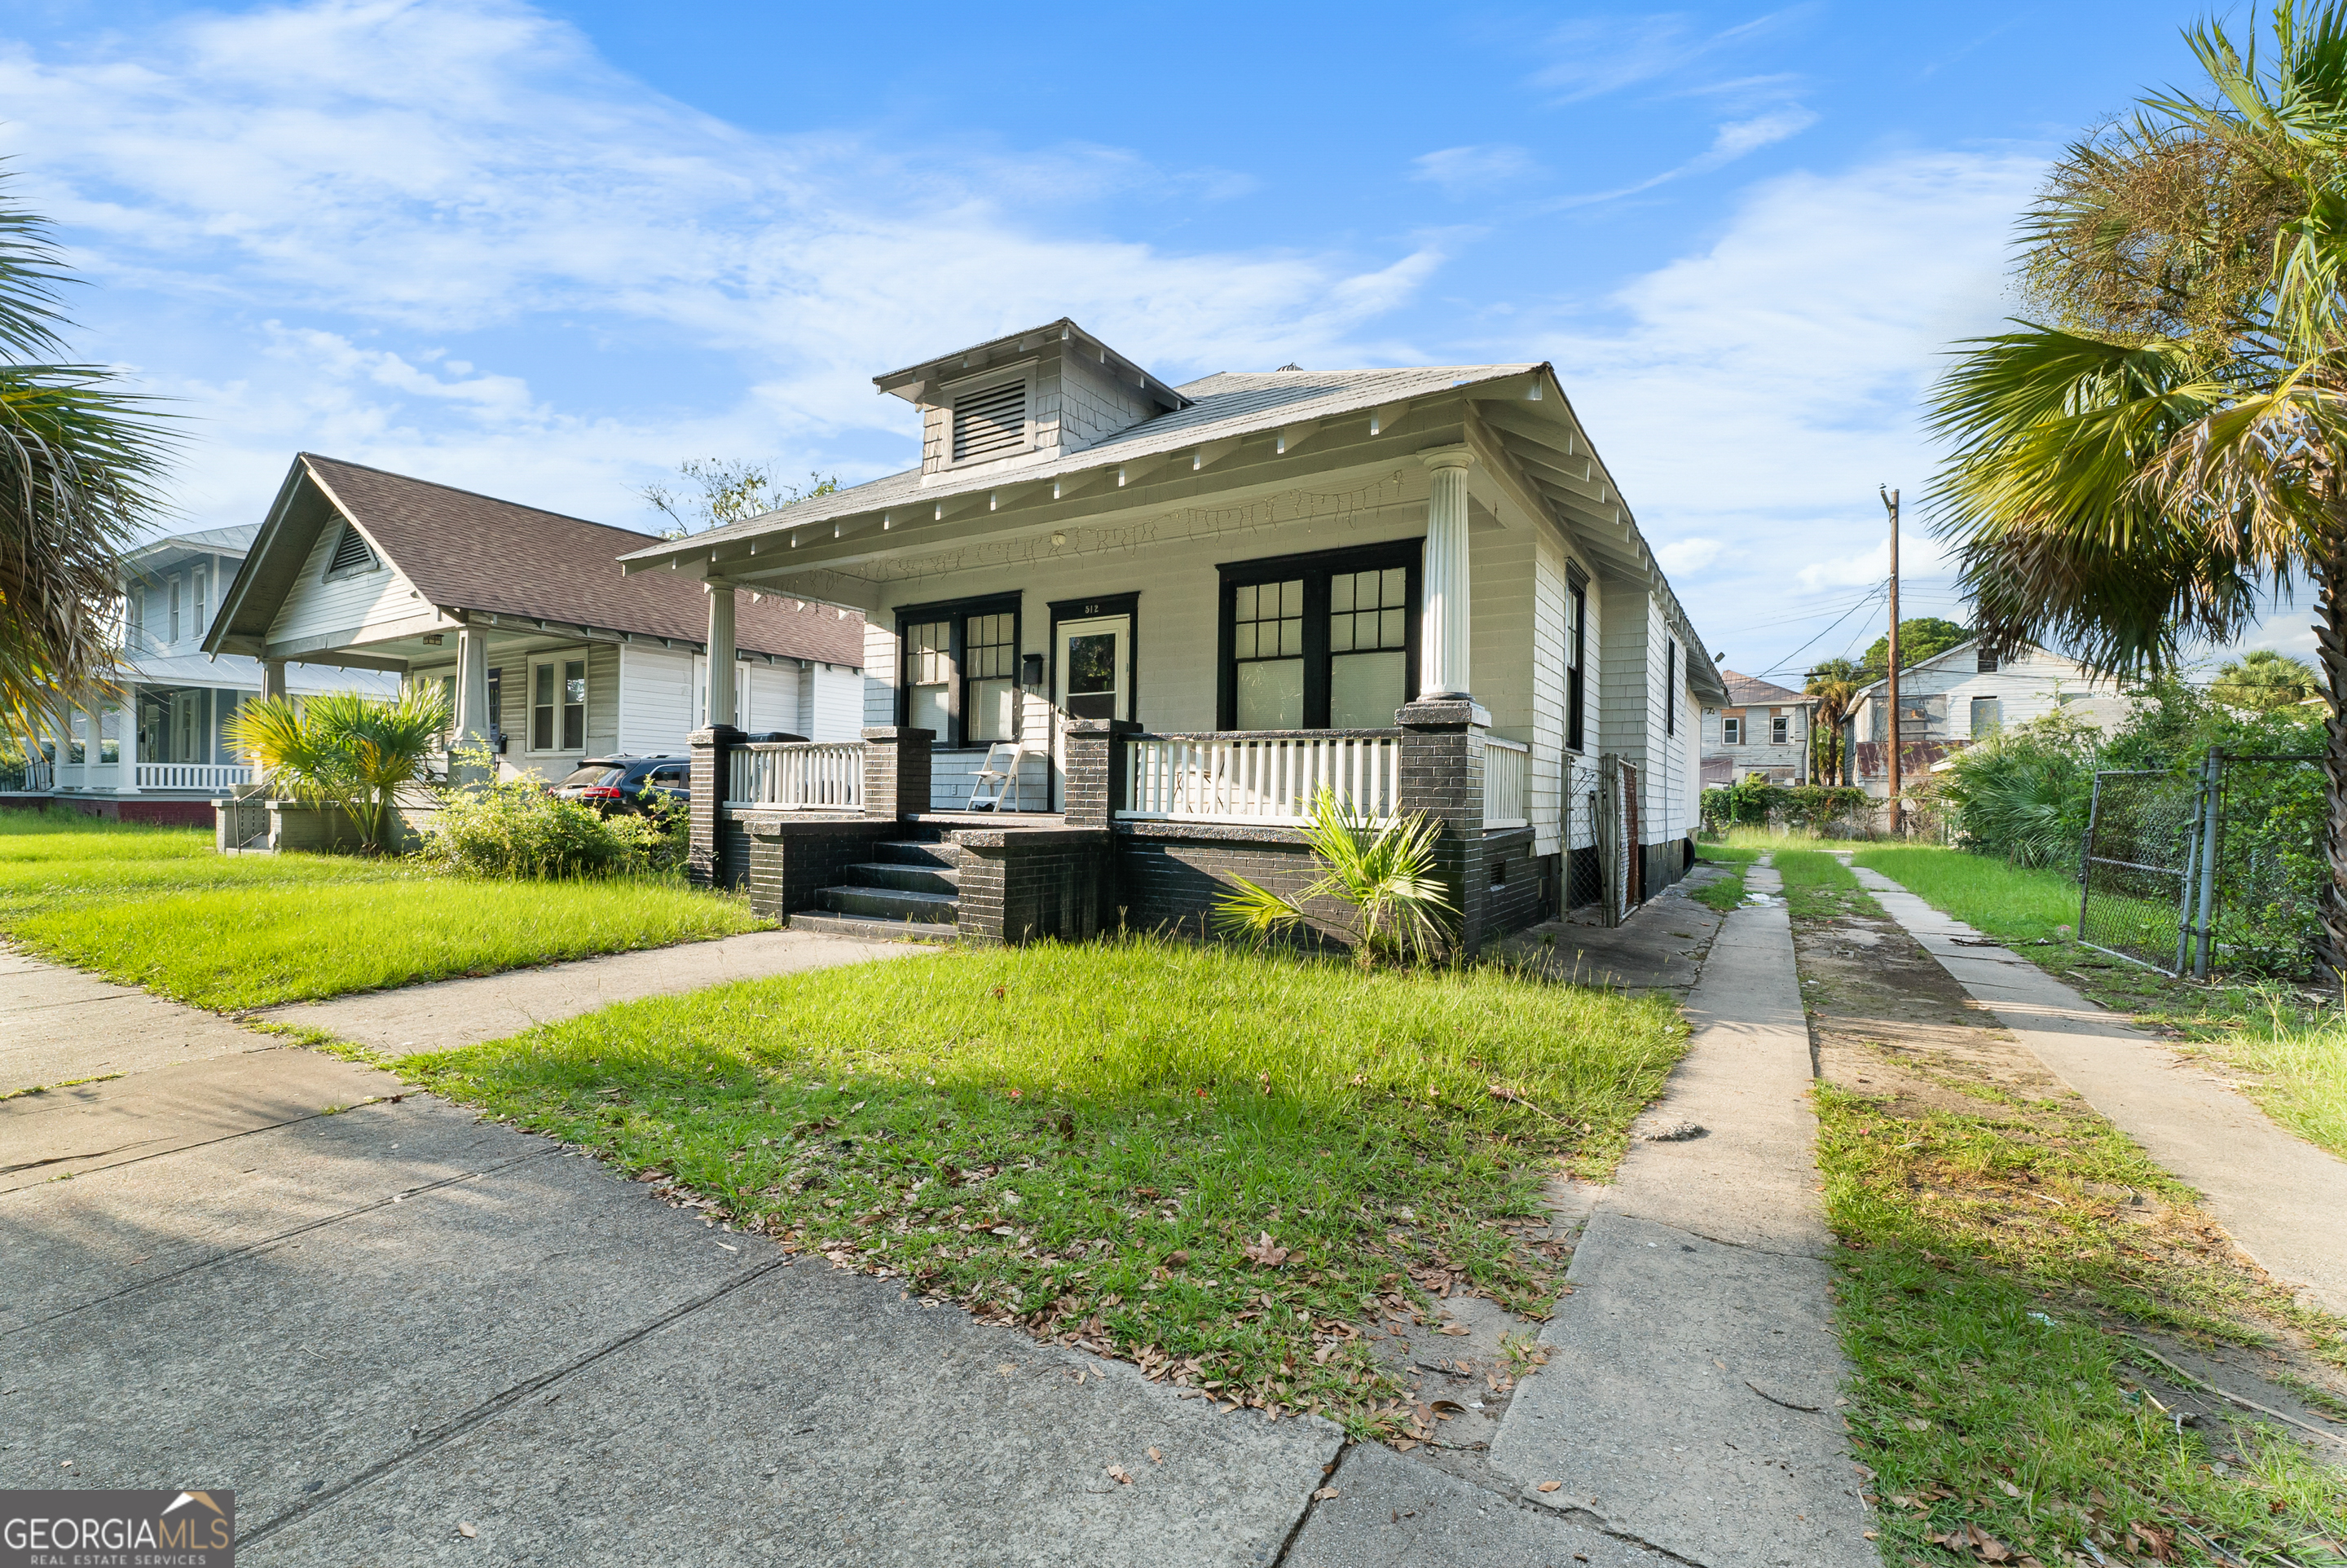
(1693, 1379)
(463, 1012)
(2281, 1198)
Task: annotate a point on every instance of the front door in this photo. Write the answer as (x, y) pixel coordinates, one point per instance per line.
(1093, 659)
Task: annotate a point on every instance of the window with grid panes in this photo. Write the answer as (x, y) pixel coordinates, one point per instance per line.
(1368, 647)
(990, 657)
(1326, 640)
(928, 677)
(1267, 644)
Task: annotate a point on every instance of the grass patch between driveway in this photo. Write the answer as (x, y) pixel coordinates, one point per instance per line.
(1211, 1162)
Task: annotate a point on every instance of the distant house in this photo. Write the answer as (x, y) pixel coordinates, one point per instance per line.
(547, 654)
(1952, 699)
(1762, 729)
(155, 749)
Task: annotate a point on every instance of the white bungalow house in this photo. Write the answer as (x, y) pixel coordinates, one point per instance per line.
(1952, 699)
(1140, 625)
(523, 618)
(154, 749)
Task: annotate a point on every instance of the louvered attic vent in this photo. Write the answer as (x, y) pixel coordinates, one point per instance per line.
(990, 423)
(351, 553)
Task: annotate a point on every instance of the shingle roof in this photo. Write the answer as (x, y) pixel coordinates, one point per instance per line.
(1751, 692)
(469, 552)
(1230, 403)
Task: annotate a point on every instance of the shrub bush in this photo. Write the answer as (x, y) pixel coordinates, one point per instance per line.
(516, 829)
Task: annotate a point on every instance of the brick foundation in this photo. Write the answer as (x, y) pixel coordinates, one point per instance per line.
(1024, 885)
(159, 813)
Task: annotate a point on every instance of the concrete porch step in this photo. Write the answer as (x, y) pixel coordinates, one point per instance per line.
(833, 925)
(908, 878)
(892, 904)
(942, 852)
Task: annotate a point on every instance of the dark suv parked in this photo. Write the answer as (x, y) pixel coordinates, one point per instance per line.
(618, 784)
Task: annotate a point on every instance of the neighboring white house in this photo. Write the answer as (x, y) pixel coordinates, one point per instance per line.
(523, 618)
(1254, 573)
(173, 759)
(1762, 729)
(1954, 698)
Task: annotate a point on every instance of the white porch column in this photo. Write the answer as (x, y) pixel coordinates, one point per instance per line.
(1443, 632)
(128, 746)
(272, 678)
(472, 716)
(720, 655)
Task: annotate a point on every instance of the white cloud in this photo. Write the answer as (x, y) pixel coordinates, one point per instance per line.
(1688, 555)
(1467, 170)
(1600, 55)
(388, 174)
(1758, 391)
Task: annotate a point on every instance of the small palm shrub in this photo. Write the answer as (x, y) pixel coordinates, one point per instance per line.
(516, 829)
(1383, 875)
(2023, 795)
(346, 751)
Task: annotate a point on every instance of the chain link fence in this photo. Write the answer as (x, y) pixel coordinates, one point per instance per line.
(2219, 869)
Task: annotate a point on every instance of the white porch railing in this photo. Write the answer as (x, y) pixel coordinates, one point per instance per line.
(1259, 778)
(1507, 773)
(819, 775)
(193, 776)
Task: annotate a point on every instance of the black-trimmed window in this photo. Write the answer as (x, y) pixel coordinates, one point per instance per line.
(1326, 640)
(1670, 687)
(1576, 655)
(960, 669)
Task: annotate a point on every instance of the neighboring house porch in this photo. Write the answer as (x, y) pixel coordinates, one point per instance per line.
(1140, 627)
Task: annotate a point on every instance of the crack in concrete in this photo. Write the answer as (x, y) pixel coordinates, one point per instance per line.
(447, 1431)
(266, 1242)
(65, 1159)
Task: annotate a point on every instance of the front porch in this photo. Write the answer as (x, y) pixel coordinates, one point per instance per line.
(1153, 827)
(168, 765)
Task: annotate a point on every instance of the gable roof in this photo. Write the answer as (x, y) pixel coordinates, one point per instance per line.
(1966, 646)
(467, 552)
(1751, 692)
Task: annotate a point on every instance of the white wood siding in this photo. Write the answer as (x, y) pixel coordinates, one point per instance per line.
(836, 700)
(351, 606)
(656, 711)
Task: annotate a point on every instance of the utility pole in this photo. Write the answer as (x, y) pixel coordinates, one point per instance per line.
(1890, 503)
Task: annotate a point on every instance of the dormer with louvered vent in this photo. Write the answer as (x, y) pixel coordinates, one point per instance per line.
(1026, 399)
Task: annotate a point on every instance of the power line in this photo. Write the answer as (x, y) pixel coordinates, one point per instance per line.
(1789, 660)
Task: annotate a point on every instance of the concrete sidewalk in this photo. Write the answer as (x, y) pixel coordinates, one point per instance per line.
(377, 1318)
(2279, 1197)
(1693, 1381)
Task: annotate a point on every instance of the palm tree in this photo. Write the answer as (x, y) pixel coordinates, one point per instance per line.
(2262, 681)
(1384, 876)
(344, 750)
(79, 464)
(1833, 683)
(2165, 441)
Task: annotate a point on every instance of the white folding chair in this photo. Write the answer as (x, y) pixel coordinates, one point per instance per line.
(999, 777)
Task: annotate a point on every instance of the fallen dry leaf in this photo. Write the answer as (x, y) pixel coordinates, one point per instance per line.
(1263, 1252)
(1117, 1473)
(465, 1531)
(1156, 1458)
(1454, 1328)
(1324, 1494)
(1550, 1485)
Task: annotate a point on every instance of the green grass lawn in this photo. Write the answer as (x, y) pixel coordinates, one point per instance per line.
(159, 907)
(1818, 887)
(1212, 1162)
(2289, 1049)
(1727, 892)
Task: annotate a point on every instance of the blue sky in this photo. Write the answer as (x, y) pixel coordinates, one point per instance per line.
(549, 252)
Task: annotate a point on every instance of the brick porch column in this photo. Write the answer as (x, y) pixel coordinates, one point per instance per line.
(1094, 785)
(712, 767)
(1442, 776)
(897, 771)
